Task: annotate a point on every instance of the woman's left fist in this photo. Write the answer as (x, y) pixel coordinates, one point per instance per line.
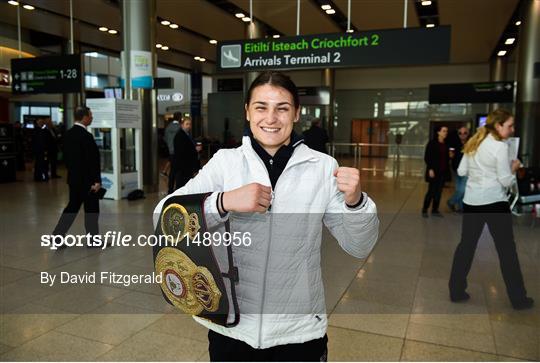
(348, 182)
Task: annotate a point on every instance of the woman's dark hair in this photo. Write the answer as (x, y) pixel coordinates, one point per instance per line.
(439, 128)
(276, 79)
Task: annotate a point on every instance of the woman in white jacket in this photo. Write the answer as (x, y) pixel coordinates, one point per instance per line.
(486, 164)
(282, 192)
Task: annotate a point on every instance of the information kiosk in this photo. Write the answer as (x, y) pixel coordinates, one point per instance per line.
(117, 130)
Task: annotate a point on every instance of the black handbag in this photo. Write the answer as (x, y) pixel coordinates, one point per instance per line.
(191, 276)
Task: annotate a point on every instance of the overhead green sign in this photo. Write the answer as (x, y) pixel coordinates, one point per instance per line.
(413, 46)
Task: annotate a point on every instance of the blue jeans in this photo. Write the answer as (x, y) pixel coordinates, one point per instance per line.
(457, 198)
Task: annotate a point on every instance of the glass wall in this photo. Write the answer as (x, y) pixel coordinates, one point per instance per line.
(54, 112)
(406, 110)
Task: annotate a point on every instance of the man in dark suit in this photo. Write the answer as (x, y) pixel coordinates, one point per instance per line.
(186, 158)
(81, 156)
(39, 148)
(52, 147)
(316, 137)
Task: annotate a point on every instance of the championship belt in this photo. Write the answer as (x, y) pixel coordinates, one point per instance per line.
(191, 277)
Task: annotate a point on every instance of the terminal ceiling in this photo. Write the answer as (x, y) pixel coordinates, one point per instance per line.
(476, 24)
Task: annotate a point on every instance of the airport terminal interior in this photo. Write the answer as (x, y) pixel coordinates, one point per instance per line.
(139, 64)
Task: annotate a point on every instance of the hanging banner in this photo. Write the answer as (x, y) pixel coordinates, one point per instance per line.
(412, 46)
(140, 69)
(196, 94)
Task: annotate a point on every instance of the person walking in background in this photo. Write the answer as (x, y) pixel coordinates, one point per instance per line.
(489, 170)
(39, 149)
(52, 147)
(186, 158)
(19, 145)
(437, 170)
(170, 132)
(316, 137)
(81, 156)
(455, 203)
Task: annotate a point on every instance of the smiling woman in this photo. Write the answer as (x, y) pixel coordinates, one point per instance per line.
(281, 192)
(271, 110)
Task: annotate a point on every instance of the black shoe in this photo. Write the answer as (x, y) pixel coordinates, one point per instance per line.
(459, 297)
(424, 214)
(436, 214)
(451, 206)
(524, 304)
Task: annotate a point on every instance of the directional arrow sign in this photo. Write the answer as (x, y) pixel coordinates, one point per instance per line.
(488, 92)
(50, 74)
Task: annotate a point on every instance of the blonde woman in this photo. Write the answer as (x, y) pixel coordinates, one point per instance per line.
(490, 172)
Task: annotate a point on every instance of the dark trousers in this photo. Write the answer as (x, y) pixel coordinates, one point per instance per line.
(79, 195)
(225, 349)
(172, 175)
(53, 162)
(181, 180)
(41, 167)
(433, 194)
(499, 221)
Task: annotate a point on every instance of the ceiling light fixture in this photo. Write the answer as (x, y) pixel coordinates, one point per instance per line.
(164, 47)
(28, 7)
(426, 3)
(103, 28)
(326, 7)
(173, 26)
(159, 45)
(430, 25)
(213, 41)
(202, 59)
(13, 2)
(246, 19)
(239, 15)
(112, 31)
(196, 57)
(518, 23)
(330, 11)
(165, 22)
(275, 36)
(510, 41)
(501, 53)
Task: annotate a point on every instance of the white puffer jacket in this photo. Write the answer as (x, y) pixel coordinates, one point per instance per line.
(280, 293)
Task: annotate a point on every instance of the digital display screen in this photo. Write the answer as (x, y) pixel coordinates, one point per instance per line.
(481, 120)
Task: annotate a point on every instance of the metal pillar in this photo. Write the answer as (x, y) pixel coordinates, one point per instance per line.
(253, 31)
(328, 80)
(528, 92)
(497, 72)
(71, 100)
(139, 24)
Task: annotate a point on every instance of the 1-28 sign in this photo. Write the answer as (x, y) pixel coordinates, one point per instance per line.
(51, 74)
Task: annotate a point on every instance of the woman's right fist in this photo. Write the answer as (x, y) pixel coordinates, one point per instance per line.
(250, 198)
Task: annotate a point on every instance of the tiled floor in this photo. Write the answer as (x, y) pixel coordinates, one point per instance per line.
(392, 306)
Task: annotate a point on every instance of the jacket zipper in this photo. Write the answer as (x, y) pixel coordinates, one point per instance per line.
(268, 248)
(265, 276)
